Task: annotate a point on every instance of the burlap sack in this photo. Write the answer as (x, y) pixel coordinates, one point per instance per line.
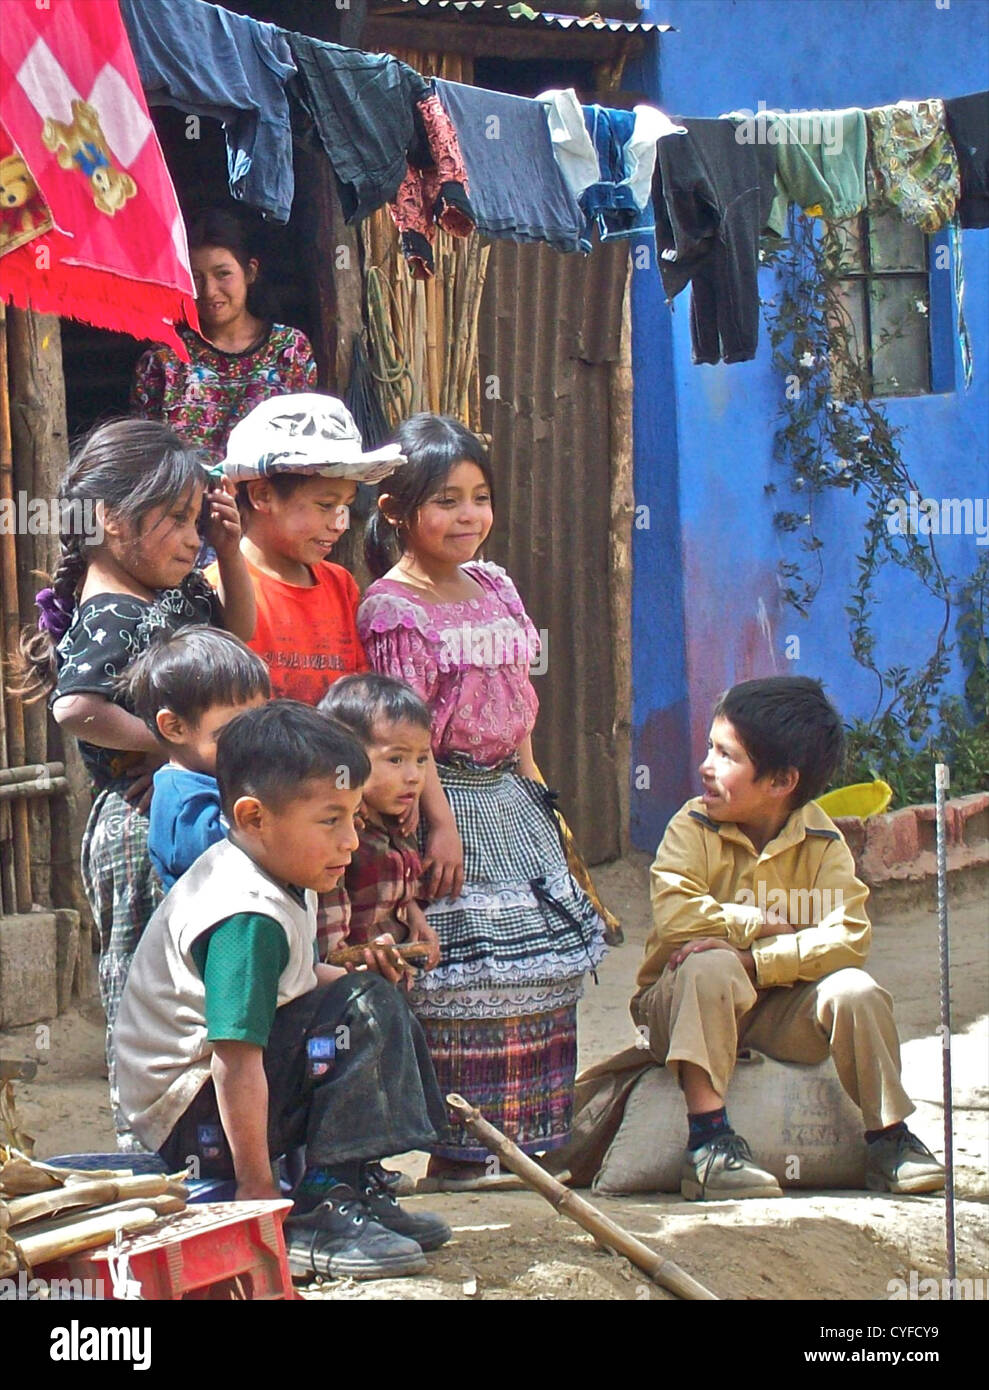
(797, 1119)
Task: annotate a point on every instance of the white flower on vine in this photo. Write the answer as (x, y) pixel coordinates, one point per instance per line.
(862, 439)
(807, 359)
(836, 407)
(842, 466)
(799, 482)
(921, 306)
(807, 519)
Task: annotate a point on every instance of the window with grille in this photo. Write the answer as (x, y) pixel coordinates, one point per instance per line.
(884, 303)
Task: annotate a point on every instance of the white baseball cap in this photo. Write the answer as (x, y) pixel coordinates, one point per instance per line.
(305, 433)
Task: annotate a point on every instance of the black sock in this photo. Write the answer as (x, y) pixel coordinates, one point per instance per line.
(317, 1181)
(707, 1126)
(890, 1132)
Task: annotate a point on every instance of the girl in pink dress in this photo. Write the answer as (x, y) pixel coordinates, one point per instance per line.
(500, 1010)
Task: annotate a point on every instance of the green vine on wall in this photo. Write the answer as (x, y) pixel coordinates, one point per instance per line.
(833, 434)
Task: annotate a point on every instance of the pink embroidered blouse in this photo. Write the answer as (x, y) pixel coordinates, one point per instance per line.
(468, 660)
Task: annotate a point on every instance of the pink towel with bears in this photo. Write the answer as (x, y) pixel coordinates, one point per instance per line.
(89, 223)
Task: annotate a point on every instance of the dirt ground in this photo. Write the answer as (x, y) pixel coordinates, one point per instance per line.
(829, 1245)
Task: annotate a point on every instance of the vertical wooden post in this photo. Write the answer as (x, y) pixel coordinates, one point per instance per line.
(40, 448)
(620, 578)
(9, 630)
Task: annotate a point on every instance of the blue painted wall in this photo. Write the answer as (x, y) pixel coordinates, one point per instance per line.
(705, 605)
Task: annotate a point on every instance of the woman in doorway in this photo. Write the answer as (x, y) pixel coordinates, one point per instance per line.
(241, 358)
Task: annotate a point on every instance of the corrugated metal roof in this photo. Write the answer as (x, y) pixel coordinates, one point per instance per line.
(516, 14)
(549, 364)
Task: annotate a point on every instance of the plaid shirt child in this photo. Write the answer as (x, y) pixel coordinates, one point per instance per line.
(383, 877)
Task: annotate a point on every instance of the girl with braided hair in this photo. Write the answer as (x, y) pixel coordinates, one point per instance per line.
(133, 503)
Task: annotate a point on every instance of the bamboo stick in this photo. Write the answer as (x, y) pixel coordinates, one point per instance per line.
(30, 772)
(84, 1235)
(167, 1204)
(413, 953)
(605, 1231)
(432, 345)
(9, 628)
(88, 1194)
(44, 786)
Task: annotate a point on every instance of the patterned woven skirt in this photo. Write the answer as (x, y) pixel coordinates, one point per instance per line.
(500, 1010)
(123, 892)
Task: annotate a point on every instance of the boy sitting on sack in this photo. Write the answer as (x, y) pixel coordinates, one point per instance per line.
(726, 968)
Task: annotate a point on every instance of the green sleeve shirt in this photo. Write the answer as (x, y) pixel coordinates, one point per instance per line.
(241, 960)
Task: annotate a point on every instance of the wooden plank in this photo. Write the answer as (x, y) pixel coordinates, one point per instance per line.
(620, 547)
(10, 624)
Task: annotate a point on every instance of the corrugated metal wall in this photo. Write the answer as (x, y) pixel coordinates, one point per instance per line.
(549, 336)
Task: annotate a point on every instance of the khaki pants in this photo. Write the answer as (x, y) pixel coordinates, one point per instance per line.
(708, 1008)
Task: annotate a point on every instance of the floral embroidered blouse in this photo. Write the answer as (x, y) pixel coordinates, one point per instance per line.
(468, 660)
(204, 398)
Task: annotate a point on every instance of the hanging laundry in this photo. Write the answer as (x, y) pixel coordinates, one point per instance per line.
(96, 233)
(625, 144)
(912, 163)
(359, 109)
(820, 160)
(435, 195)
(210, 62)
(516, 187)
(968, 125)
(712, 197)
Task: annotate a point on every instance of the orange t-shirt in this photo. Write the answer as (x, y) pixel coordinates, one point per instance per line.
(306, 637)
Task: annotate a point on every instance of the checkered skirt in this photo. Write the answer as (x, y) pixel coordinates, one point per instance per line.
(522, 931)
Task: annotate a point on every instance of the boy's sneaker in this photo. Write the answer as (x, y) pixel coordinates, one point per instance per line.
(723, 1170)
(424, 1227)
(339, 1240)
(901, 1163)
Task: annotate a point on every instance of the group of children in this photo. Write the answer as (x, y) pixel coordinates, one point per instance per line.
(334, 771)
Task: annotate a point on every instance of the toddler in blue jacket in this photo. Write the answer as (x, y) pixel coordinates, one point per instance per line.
(187, 688)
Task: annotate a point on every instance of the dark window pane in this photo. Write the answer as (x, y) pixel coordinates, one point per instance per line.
(895, 244)
(900, 357)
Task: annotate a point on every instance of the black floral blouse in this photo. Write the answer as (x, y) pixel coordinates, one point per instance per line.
(107, 632)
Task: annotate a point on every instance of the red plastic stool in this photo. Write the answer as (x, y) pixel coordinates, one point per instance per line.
(216, 1250)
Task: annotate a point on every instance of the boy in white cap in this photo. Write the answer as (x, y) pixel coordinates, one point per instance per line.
(296, 462)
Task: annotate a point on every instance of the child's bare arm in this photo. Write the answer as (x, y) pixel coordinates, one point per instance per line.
(98, 720)
(234, 588)
(444, 859)
(242, 1096)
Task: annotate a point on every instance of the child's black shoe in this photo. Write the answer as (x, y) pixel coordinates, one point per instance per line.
(339, 1240)
(424, 1227)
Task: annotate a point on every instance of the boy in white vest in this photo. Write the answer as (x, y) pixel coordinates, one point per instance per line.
(234, 1044)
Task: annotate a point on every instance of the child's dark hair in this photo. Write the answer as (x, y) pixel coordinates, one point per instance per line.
(190, 671)
(433, 444)
(131, 467)
(358, 701)
(269, 752)
(228, 231)
(787, 721)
